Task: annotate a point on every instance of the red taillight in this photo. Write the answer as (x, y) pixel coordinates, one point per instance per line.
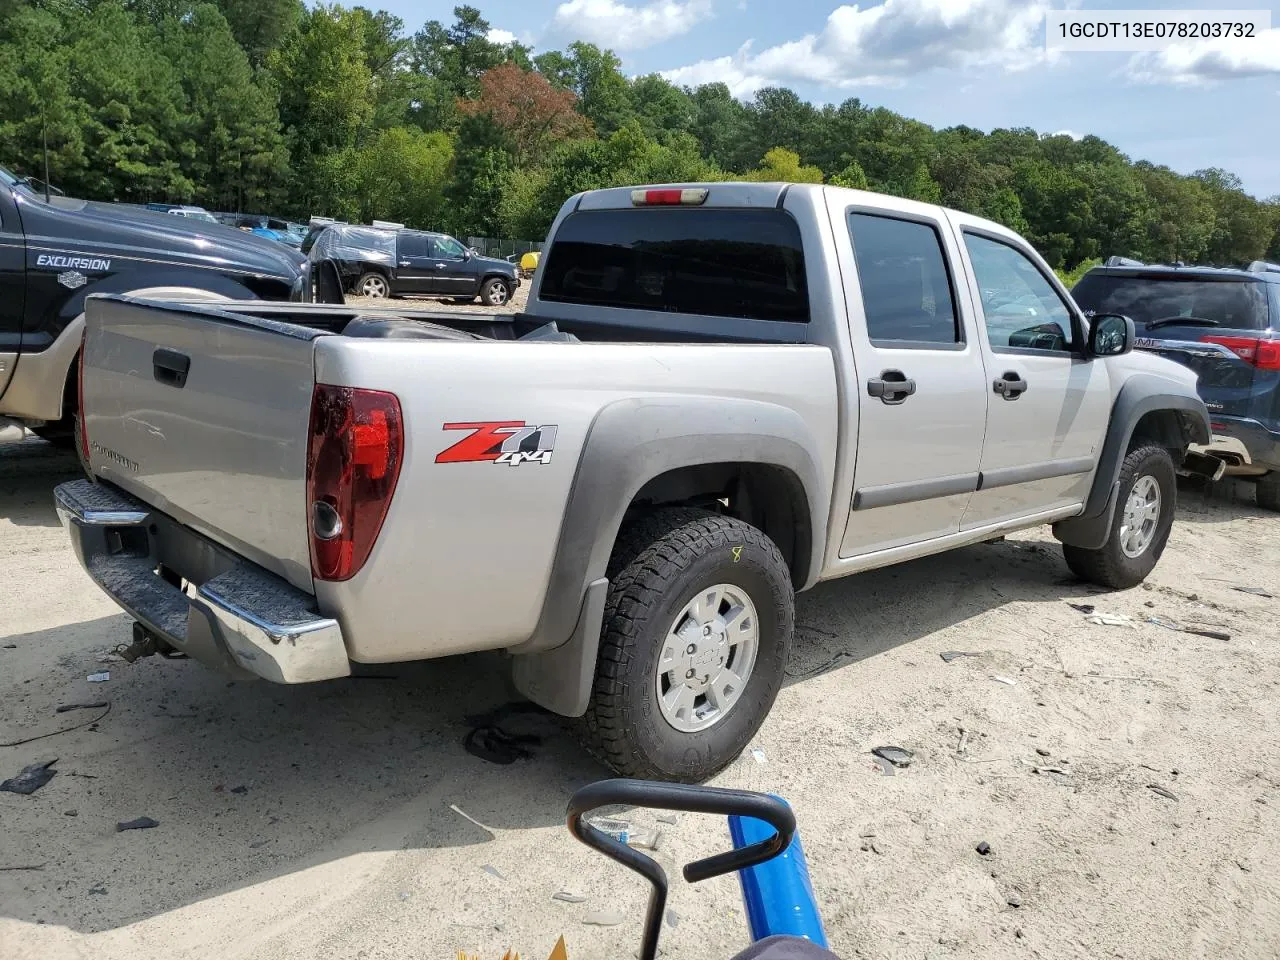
(1263, 354)
(80, 414)
(354, 450)
(669, 196)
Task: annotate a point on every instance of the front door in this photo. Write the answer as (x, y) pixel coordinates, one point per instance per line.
(416, 270)
(454, 270)
(1048, 403)
(922, 406)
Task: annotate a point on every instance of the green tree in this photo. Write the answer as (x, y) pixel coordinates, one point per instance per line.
(260, 25)
(457, 55)
(720, 123)
(661, 107)
(851, 176)
(783, 165)
(604, 97)
(401, 175)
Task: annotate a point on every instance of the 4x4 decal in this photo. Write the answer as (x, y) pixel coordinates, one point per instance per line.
(501, 441)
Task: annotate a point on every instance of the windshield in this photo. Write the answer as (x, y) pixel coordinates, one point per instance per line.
(1235, 304)
(7, 178)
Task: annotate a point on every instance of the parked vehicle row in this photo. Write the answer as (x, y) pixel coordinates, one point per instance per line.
(56, 252)
(718, 395)
(378, 262)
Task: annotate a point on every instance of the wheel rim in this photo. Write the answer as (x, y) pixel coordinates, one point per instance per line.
(1141, 517)
(374, 287)
(498, 294)
(707, 658)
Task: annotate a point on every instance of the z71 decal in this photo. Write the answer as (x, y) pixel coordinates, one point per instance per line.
(501, 441)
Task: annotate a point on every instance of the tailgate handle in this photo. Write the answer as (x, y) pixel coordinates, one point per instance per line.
(170, 367)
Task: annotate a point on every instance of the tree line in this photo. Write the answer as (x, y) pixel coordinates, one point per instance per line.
(271, 106)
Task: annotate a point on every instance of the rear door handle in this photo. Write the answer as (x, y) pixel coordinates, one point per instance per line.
(892, 386)
(1010, 386)
(170, 367)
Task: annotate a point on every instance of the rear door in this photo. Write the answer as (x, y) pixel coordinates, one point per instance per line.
(204, 415)
(1048, 403)
(416, 270)
(922, 402)
(1206, 322)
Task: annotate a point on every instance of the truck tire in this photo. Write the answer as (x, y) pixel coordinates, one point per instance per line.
(1269, 490)
(722, 588)
(495, 292)
(372, 284)
(1147, 498)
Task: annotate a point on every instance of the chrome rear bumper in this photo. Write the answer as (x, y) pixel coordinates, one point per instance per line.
(234, 616)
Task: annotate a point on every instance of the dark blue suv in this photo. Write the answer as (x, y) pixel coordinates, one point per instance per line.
(1225, 325)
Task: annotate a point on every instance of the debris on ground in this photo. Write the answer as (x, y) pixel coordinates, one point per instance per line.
(758, 755)
(490, 869)
(1160, 791)
(68, 707)
(870, 847)
(1013, 900)
(673, 918)
(470, 819)
(886, 768)
(1005, 680)
(1256, 591)
(1198, 631)
(950, 655)
(1042, 751)
(102, 677)
(24, 866)
(1085, 608)
(671, 818)
(569, 896)
(240, 789)
(604, 918)
(142, 823)
(646, 839)
(1112, 620)
(895, 755)
(31, 778)
(489, 741)
(71, 813)
(983, 848)
(619, 830)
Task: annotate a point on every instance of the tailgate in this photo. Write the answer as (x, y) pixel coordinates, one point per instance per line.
(203, 414)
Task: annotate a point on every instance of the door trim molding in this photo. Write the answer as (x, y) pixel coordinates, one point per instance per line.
(893, 494)
(1030, 472)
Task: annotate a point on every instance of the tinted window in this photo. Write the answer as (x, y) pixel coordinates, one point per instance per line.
(1235, 304)
(906, 293)
(447, 248)
(414, 245)
(1019, 306)
(739, 263)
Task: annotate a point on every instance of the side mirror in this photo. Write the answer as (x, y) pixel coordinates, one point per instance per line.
(1110, 334)
(468, 253)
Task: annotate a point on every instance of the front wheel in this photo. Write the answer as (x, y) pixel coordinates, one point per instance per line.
(495, 292)
(373, 284)
(697, 629)
(1148, 495)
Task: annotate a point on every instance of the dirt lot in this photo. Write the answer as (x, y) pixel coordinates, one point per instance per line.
(516, 303)
(327, 821)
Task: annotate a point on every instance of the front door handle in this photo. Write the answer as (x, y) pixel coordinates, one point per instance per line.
(1010, 386)
(892, 386)
(440, 266)
(404, 263)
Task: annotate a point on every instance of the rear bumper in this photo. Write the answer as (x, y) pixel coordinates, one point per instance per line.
(233, 615)
(1243, 442)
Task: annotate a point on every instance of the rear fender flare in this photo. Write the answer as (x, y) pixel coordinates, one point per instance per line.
(630, 443)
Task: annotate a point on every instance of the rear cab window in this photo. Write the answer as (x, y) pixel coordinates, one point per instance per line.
(739, 263)
(1231, 302)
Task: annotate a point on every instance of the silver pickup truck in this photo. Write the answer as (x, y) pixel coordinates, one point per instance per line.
(719, 395)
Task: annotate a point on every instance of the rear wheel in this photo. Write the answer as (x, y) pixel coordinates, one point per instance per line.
(1269, 490)
(697, 629)
(1140, 528)
(495, 292)
(373, 284)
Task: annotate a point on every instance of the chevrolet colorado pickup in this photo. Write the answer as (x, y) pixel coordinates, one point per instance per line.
(719, 395)
(56, 251)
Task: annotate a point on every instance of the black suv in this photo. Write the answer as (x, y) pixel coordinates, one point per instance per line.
(1224, 324)
(377, 262)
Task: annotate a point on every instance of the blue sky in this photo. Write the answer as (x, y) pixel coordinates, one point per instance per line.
(946, 62)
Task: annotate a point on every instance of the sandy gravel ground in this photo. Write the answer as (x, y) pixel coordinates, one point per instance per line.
(321, 821)
(515, 305)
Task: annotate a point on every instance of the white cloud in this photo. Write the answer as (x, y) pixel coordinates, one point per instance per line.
(616, 26)
(886, 44)
(1067, 133)
(500, 36)
(1209, 61)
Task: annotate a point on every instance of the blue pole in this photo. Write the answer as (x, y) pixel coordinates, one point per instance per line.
(778, 895)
